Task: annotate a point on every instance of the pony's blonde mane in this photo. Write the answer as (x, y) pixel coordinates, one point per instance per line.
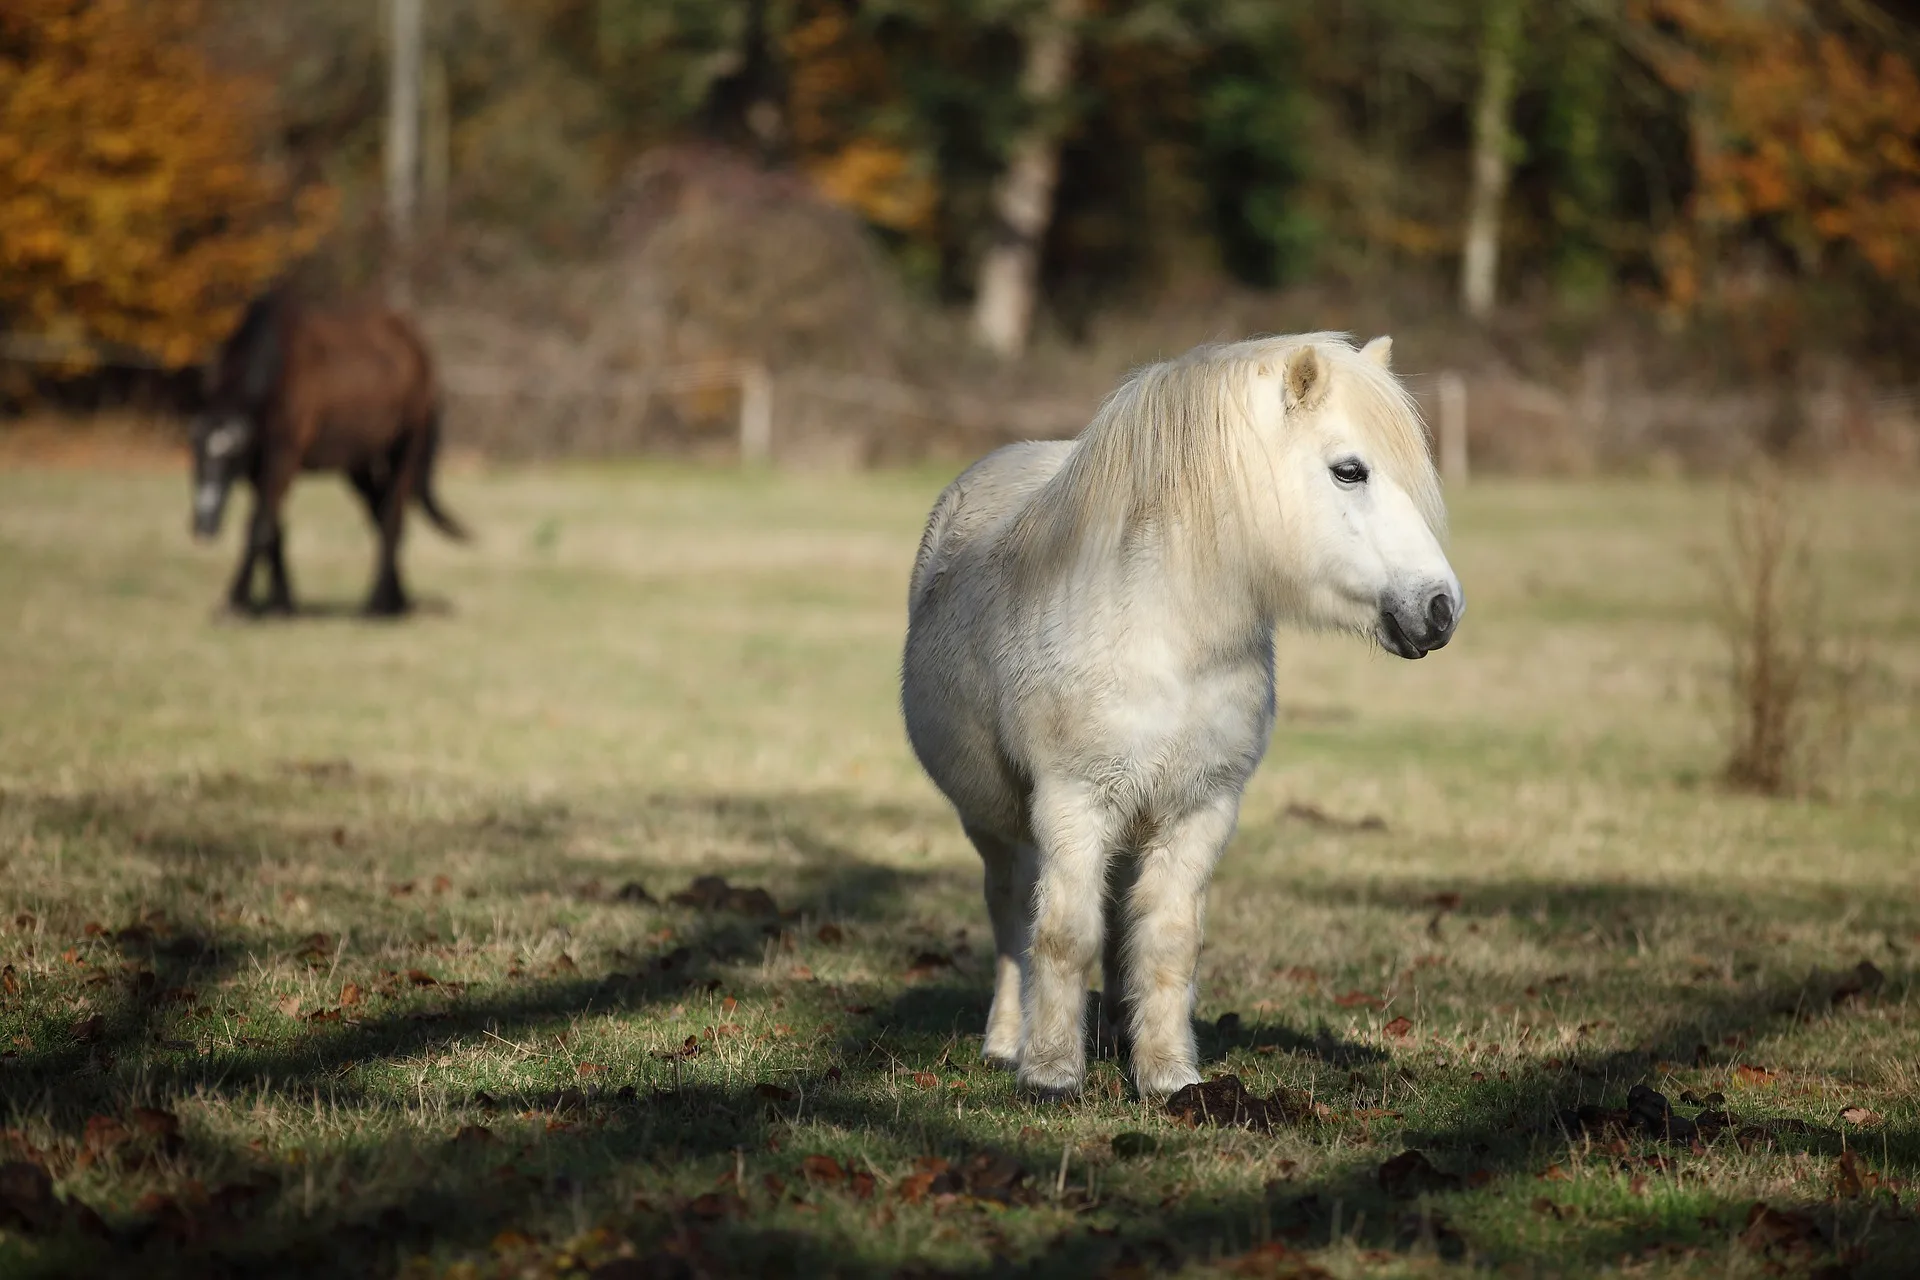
(1172, 449)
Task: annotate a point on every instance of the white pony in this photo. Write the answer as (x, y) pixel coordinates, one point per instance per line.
(1089, 660)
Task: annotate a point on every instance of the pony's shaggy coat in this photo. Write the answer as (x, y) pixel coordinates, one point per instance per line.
(1089, 663)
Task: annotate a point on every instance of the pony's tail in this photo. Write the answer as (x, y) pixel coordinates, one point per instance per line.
(424, 490)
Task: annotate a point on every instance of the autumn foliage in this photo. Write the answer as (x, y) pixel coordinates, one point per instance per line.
(1811, 132)
(135, 209)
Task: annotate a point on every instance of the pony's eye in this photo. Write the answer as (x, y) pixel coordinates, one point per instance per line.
(1350, 472)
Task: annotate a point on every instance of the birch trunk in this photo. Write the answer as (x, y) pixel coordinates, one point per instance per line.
(1023, 197)
(1492, 145)
(403, 141)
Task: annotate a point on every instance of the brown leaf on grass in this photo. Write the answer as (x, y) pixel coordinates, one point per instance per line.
(917, 1185)
(156, 1123)
(589, 1069)
(1779, 1230)
(473, 1135)
(104, 1134)
(1411, 1174)
(289, 1005)
(441, 884)
(1225, 1102)
(25, 920)
(1358, 1000)
(1862, 1117)
(1400, 1028)
(1755, 1076)
(421, 978)
(88, 1029)
(824, 1170)
(569, 1100)
(351, 995)
(634, 891)
(860, 1185)
(713, 893)
(8, 983)
(401, 890)
(928, 962)
(315, 946)
(1851, 1178)
(715, 1205)
(925, 1079)
(831, 934)
(773, 1092)
(1554, 1173)
(1637, 1185)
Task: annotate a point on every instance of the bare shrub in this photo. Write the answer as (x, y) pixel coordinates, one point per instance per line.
(1792, 684)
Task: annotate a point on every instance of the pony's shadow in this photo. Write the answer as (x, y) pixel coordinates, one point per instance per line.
(1218, 1039)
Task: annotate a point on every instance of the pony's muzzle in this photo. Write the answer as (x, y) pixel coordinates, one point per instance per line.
(1416, 631)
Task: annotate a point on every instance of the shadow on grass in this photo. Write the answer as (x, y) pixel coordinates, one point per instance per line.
(585, 1146)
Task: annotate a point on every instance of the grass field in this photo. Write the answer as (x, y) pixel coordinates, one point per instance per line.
(322, 956)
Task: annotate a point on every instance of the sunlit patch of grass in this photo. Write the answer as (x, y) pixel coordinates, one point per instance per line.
(383, 917)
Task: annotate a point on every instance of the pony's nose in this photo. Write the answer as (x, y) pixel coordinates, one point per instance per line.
(1440, 619)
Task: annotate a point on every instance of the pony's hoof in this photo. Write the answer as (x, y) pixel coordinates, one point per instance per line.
(1049, 1084)
(1159, 1085)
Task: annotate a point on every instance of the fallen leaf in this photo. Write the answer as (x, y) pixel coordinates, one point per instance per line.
(1769, 1229)
(713, 893)
(88, 1029)
(8, 983)
(1400, 1028)
(1851, 1178)
(773, 1092)
(1554, 1173)
(823, 1169)
(1754, 1075)
(925, 1079)
(351, 995)
(1358, 999)
(831, 934)
(1411, 1174)
(156, 1123)
(471, 1135)
(928, 962)
(1862, 1117)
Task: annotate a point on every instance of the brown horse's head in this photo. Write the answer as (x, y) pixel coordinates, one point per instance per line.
(223, 448)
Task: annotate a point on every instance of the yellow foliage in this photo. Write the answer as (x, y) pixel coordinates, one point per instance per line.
(838, 82)
(133, 206)
(1799, 125)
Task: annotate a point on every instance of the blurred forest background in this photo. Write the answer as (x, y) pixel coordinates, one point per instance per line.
(1665, 234)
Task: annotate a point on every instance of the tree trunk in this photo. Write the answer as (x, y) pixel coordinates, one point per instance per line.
(1023, 197)
(403, 141)
(1492, 145)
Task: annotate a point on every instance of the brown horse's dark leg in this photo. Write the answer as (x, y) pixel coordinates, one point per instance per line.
(240, 594)
(264, 538)
(389, 598)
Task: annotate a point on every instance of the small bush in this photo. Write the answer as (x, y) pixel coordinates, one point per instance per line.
(1792, 686)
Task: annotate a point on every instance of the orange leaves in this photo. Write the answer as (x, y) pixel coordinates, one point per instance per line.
(133, 208)
(1803, 126)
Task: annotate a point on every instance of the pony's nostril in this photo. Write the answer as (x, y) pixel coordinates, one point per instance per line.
(1440, 613)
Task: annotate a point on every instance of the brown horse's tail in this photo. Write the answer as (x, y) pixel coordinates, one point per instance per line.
(424, 490)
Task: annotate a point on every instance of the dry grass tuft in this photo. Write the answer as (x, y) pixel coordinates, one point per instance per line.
(1793, 685)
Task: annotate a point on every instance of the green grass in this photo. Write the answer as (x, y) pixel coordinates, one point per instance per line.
(210, 829)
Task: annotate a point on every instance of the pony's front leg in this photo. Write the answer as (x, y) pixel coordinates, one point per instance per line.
(1075, 833)
(1165, 909)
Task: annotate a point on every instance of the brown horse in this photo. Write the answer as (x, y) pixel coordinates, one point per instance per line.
(300, 388)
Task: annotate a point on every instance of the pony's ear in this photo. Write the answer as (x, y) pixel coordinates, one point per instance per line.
(1306, 378)
(1380, 351)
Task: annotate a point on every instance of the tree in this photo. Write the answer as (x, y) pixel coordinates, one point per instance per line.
(1492, 155)
(134, 207)
(1023, 197)
(1806, 133)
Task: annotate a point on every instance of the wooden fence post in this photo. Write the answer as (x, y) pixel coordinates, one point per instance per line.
(1453, 428)
(756, 413)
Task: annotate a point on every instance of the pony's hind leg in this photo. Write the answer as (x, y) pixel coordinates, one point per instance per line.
(1164, 913)
(1009, 890)
(280, 587)
(1075, 833)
